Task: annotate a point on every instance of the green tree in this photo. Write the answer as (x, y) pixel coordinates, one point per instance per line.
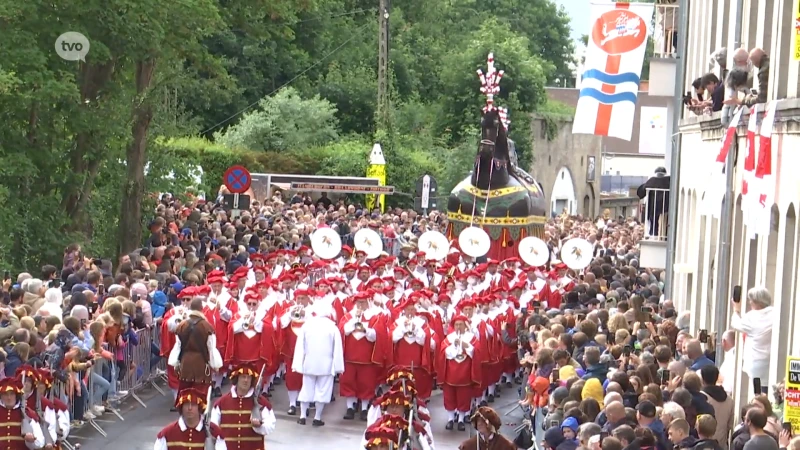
(521, 89)
(284, 121)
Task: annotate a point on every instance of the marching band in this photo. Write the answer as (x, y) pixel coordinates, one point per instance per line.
(439, 321)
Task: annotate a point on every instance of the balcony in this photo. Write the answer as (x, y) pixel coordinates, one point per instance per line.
(665, 32)
(665, 39)
(655, 211)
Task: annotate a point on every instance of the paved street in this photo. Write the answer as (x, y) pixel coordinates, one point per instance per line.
(138, 430)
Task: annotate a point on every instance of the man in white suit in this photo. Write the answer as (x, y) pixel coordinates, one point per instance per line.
(319, 356)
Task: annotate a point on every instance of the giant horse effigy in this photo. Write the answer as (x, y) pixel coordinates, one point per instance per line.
(497, 195)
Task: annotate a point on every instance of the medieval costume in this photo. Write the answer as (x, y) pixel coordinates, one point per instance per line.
(61, 408)
(413, 343)
(195, 356)
(36, 402)
(459, 371)
(380, 437)
(245, 334)
(189, 431)
(318, 356)
(361, 329)
(245, 419)
(488, 424)
(20, 425)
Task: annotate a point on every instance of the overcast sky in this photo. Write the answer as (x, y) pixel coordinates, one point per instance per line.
(578, 11)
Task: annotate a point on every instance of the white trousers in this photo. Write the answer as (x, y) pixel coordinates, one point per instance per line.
(317, 389)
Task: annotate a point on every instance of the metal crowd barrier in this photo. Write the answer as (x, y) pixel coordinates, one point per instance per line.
(140, 367)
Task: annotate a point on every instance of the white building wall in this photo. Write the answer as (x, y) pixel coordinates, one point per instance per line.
(770, 260)
(631, 165)
(563, 193)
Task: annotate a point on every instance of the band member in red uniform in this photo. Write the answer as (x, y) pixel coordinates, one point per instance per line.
(459, 371)
(363, 336)
(244, 334)
(413, 344)
(195, 355)
(13, 413)
(189, 430)
(244, 417)
(291, 324)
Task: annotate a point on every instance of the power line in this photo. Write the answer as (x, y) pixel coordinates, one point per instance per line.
(349, 13)
(318, 62)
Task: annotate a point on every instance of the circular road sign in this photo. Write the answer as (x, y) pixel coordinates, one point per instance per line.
(237, 179)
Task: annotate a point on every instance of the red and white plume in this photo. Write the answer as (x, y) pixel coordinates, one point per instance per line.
(490, 86)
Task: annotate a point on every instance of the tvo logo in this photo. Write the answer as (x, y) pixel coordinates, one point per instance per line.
(72, 46)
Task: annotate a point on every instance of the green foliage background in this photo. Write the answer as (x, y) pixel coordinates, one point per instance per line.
(215, 99)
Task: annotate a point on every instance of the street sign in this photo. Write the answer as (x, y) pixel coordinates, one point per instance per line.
(343, 188)
(235, 201)
(237, 179)
(426, 189)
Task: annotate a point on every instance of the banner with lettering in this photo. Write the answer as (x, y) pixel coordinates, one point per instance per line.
(612, 69)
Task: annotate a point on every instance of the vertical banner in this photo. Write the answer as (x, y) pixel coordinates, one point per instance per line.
(791, 409)
(613, 66)
(376, 169)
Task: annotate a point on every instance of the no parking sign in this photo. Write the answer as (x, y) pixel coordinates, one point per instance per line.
(237, 179)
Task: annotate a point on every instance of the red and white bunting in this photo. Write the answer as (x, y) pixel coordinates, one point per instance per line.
(764, 178)
(748, 174)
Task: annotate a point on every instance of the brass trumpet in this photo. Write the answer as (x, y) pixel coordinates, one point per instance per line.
(248, 319)
(299, 311)
(359, 326)
(410, 329)
(182, 317)
(461, 356)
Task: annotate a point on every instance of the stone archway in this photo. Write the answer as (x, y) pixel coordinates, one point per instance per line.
(563, 193)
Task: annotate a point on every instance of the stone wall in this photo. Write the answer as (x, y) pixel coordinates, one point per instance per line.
(570, 151)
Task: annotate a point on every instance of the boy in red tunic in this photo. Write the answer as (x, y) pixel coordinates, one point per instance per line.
(189, 431)
(381, 437)
(12, 413)
(244, 419)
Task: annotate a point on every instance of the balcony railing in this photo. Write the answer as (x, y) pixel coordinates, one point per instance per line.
(655, 210)
(665, 31)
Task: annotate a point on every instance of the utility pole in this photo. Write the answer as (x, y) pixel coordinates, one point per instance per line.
(383, 64)
(675, 159)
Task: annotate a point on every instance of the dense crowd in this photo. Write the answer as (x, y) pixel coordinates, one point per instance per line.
(601, 352)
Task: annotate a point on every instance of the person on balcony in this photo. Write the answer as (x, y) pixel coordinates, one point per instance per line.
(715, 92)
(759, 59)
(656, 190)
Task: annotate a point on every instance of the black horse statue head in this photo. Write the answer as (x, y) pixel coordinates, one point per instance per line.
(493, 159)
